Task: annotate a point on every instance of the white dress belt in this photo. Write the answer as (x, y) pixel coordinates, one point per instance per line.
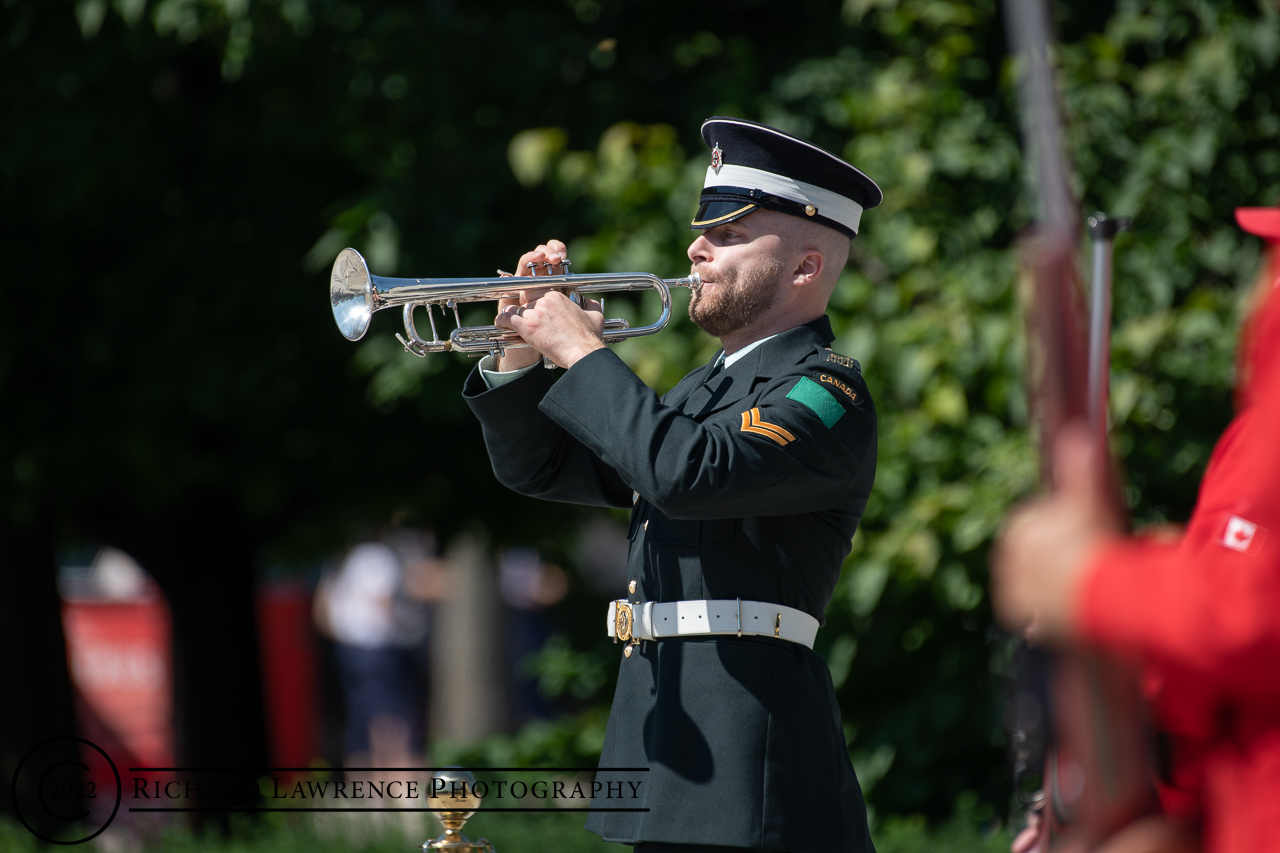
(722, 617)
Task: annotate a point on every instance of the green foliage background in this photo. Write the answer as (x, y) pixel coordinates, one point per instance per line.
(178, 175)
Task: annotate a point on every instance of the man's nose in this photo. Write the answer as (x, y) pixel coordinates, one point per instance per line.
(700, 249)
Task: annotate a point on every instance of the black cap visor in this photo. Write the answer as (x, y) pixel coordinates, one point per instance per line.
(713, 213)
(717, 208)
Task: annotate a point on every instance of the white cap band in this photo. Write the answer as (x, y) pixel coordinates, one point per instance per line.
(832, 205)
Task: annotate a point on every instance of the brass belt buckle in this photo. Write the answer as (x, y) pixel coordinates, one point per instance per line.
(622, 621)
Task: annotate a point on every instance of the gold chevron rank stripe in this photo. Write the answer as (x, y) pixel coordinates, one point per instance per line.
(751, 423)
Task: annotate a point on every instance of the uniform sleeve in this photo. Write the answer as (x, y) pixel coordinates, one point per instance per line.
(800, 447)
(533, 455)
(495, 378)
(1209, 600)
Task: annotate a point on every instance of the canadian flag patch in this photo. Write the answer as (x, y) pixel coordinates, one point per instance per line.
(1242, 535)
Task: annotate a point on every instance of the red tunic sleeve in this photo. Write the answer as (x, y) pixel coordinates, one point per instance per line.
(1206, 606)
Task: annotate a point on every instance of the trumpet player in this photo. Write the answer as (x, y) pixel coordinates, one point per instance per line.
(746, 482)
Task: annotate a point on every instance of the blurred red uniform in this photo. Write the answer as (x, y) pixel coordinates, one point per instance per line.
(1202, 610)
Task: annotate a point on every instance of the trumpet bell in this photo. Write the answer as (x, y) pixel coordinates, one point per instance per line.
(351, 294)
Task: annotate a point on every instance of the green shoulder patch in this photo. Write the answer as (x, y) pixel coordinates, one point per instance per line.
(819, 399)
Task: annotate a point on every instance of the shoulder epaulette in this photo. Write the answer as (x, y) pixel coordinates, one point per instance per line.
(837, 358)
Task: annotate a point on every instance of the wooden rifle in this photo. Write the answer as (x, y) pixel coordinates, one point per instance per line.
(1075, 713)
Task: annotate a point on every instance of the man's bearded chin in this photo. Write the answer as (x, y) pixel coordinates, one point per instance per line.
(736, 298)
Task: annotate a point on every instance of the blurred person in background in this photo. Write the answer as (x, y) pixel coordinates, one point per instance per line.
(529, 586)
(1200, 608)
(374, 607)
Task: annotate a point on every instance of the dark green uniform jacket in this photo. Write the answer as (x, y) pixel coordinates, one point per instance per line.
(750, 485)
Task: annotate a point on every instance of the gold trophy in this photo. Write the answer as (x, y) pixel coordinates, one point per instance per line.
(464, 803)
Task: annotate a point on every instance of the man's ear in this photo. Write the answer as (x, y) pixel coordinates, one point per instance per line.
(808, 268)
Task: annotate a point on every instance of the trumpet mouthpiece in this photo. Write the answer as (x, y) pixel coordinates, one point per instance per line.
(693, 281)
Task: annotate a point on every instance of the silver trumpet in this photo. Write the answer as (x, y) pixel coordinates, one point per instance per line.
(355, 294)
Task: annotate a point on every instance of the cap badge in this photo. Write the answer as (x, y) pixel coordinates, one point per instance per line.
(717, 159)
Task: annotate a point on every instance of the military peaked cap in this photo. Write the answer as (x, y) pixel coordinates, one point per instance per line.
(1261, 221)
(756, 166)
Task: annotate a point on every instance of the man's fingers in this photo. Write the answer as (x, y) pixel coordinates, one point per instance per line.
(1015, 526)
(530, 296)
(1028, 838)
(539, 258)
(1036, 634)
(516, 316)
(544, 294)
(1075, 462)
(536, 257)
(510, 318)
(1009, 581)
(552, 252)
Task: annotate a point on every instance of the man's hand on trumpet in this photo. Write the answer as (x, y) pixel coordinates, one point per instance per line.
(547, 319)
